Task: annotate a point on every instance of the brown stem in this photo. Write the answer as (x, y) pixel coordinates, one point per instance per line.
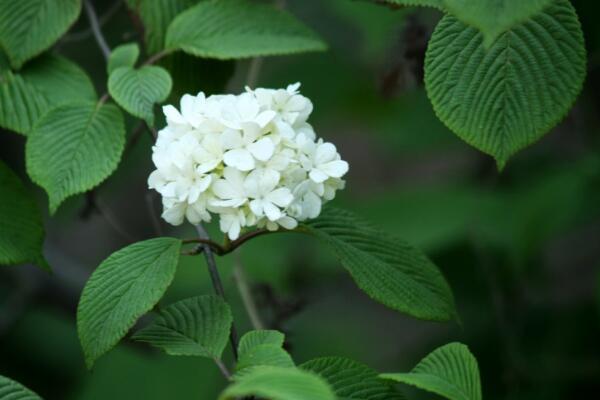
(221, 250)
(158, 56)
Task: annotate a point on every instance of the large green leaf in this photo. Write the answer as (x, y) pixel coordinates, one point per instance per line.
(351, 380)
(46, 82)
(259, 337)
(58, 79)
(277, 383)
(198, 326)
(28, 27)
(11, 390)
(156, 16)
(21, 228)
(387, 269)
(74, 147)
(126, 285)
(137, 90)
(230, 29)
(506, 97)
(450, 371)
(125, 55)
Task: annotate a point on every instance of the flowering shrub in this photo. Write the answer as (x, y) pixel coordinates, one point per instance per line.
(498, 73)
(253, 159)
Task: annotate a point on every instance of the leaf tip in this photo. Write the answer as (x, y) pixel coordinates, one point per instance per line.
(500, 164)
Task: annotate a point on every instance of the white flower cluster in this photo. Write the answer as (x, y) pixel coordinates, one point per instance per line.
(253, 159)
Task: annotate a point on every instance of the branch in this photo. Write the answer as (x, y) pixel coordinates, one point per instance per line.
(222, 250)
(103, 19)
(95, 26)
(217, 284)
(158, 56)
(239, 276)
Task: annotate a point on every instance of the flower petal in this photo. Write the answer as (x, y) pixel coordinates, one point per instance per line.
(231, 139)
(282, 197)
(271, 211)
(325, 152)
(335, 169)
(262, 150)
(317, 175)
(240, 159)
(173, 116)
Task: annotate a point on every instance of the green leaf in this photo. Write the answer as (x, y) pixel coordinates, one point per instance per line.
(11, 390)
(262, 348)
(28, 27)
(494, 17)
(450, 371)
(491, 17)
(263, 355)
(44, 83)
(156, 16)
(126, 285)
(351, 380)
(125, 55)
(255, 338)
(74, 147)
(21, 227)
(387, 269)
(439, 4)
(276, 383)
(198, 326)
(137, 90)
(230, 29)
(506, 97)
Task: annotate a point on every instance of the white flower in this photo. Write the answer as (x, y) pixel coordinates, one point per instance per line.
(231, 222)
(251, 159)
(230, 190)
(246, 146)
(325, 162)
(267, 199)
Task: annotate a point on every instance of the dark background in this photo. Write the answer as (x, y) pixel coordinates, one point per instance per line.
(521, 249)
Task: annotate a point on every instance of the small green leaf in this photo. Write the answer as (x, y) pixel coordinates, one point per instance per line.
(44, 83)
(450, 371)
(504, 98)
(21, 227)
(198, 326)
(351, 380)
(262, 348)
(254, 338)
(156, 16)
(126, 285)
(28, 27)
(125, 55)
(74, 147)
(263, 355)
(137, 90)
(11, 390)
(231, 29)
(387, 269)
(276, 383)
